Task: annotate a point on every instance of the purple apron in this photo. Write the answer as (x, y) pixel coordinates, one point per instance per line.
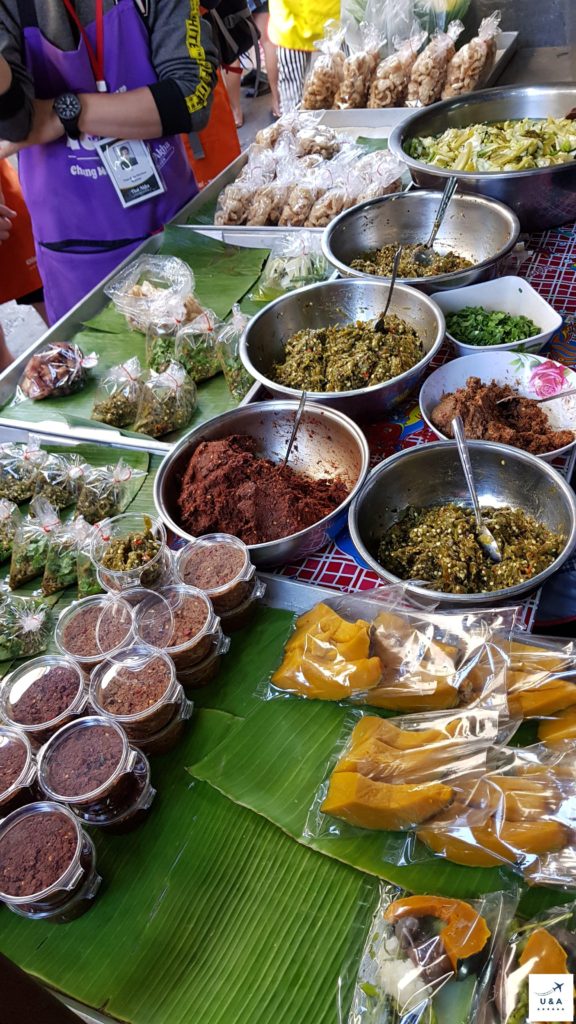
(81, 229)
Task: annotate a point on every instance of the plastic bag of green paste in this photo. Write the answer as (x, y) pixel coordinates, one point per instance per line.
(60, 478)
(87, 578)
(25, 627)
(237, 377)
(20, 465)
(61, 568)
(195, 346)
(10, 520)
(119, 393)
(31, 542)
(168, 402)
(106, 490)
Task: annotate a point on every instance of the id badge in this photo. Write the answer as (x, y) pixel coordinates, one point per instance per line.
(131, 170)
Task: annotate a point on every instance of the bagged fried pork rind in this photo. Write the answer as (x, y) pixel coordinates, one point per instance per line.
(31, 542)
(390, 83)
(325, 75)
(471, 64)
(234, 201)
(431, 67)
(292, 264)
(427, 959)
(376, 174)
(87, 577)
(10, 520)
(229, 335)
(358, 70)
(195, 347)
(546, 944)
(25, 627)
(152, 290)
(60, 478)
(20, 465)
(168, 402)
(106, 491)
(61, 568)
(56, 371)
(118, 394)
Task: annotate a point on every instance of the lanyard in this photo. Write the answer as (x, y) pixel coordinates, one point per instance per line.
(96, 57)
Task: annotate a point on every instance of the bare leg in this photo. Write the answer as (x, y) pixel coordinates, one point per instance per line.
(271, 58)
(232, 83)
(40, 308)
(6, 356)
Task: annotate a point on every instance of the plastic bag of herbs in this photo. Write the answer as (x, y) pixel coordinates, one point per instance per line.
(61, 568)
(168, 402)
(291, 265)
(25, 627)
(237, 377)
(20, 466)
(60, 478)
(86, 575)
(31, 542)
(195, 347)
(106, 490)
(10, 520)
(119, 393)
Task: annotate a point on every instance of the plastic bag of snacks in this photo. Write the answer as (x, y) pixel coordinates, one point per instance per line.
(25, 627)
(308, 186)
(195, 347)
(168, 402)
(118, 395)
(56, 371)
(292, 264)
(106, 490)
(60, 478)
(61, 568)
(86, 575)
(20, 465)
(154, 289)
(427, 959)
(431, 67)
(543, 945)
(235, 200)
(470, 65)
(390, 83)
(10, 520)
(325, 75)
(358, 70)
(377, 174)
(31, 542)
(237, 378)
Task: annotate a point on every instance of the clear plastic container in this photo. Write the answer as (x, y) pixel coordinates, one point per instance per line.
(17, 770)
(94, 628)
(219, 564)
(137, 688)
(47, 863)
(135, 812)
(166, 739)
(90, 765)
(181, 621)
(109, 584)
(241, 616)
(205, 671)
(42, 695)
(118, 539)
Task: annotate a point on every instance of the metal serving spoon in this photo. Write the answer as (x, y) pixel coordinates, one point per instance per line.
(297, 419)
(486, 540)
(380, 324)
(423, 254)
(537, 401)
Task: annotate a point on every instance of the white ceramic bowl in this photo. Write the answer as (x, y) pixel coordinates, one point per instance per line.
(533, 376)
(511, 295)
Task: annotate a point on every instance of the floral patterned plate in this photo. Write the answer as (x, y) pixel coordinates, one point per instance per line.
(533, 376)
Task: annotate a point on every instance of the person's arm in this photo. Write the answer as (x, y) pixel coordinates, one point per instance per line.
(16, 88)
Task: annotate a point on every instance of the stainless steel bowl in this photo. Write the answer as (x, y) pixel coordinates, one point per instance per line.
(479, 229)
(338, 302)
(432, 474)
(328, 445)
(542, 198)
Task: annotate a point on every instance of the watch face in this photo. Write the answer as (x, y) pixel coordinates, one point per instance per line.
(68, 107)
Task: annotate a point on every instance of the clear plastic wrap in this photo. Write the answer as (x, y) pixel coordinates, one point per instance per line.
(86, 575)
(541, 683)
(118, 394)
(20, 465)
(61, 569)
(60, 478)
(195, 347)
(427, 959)
(376, 174)
(56, 371)
(154, 289)
(292, 264)
(325, 75)
(106, 490)
(357, 73)
(228, 339)
(390, 83)
(31, 542)
(431, 67)
(167, 403)
(470, 65)
(235, 201)
(10, 520)
(544, 945)
(25, 627)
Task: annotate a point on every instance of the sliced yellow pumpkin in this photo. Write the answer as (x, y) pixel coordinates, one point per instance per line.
(543, 954)
(465, 932)
(562, 727)
(548, 698)
(523, 798)
(416, 692)
(381, 806)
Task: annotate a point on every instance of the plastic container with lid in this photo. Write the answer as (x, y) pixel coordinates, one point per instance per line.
(205, 671)
(94, 628)
(17, 770)
(138, 542)
(238, 618)
(137, 688)
(90, 765)
(47, 863)
(169, 736)
(43, 694)
(179, 620)
(219, 564)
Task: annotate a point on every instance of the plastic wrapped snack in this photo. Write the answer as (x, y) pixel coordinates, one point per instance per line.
(375, 174)
(237, 377)
(118, 395)
(61, 569)
(195, 347)
(267, 203)
(168, 402)
(317, 139)
(234, 204)
(431, 67)
(31, 541)
(56, 371)
(267, 137)
(325, 75)
(543, 945)
(20, 465)
(292, 264)
(357, 75)
(10, 520)
(300, 200)
(390, 83)
(428, 959)
(25, 627)
(105, 491)
(470, 65)
(151, 290)
(60, 478)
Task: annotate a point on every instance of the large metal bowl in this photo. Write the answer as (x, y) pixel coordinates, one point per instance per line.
(328, 445)
(338, 302)
(481, 230)
(542, 198)
(432, 474)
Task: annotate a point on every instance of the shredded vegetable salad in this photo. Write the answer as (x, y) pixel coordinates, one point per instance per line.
(501, 146)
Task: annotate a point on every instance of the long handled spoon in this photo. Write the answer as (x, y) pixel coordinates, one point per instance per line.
(537, 401)
(380, 324)
(424, 254)
(486, 540)
(297, 419)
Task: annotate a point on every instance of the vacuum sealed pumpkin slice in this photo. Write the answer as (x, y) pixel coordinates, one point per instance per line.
(541, 679)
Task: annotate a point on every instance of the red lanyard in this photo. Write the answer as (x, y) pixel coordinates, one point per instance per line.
(96, 57)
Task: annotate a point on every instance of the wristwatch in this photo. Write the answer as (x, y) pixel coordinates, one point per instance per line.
(68, 108)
